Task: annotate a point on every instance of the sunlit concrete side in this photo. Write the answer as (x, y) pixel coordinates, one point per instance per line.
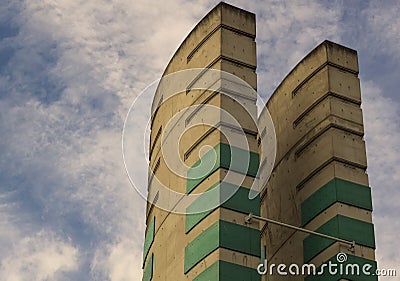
(222, 40)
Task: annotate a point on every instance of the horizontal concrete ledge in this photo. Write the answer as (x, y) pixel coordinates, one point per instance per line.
(212, 32)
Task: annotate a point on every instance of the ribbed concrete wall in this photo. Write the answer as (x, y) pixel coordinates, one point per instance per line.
(215, 245)
(319, 180)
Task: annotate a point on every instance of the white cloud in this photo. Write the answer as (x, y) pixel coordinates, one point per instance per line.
(383, 27)
(41, 256)
(120, 46)
(382, 127)
(117, 262)
(286, 32)
(77, 178)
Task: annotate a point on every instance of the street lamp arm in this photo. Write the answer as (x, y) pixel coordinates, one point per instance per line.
(251, 216)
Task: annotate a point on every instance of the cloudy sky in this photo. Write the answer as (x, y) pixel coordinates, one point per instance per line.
(69, 70)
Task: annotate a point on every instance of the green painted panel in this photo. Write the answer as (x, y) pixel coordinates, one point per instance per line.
(222, 156)
(263, 253)
(148, 271)
(225, 271)
(336, 190)
(342, 227)
(360, 231)
(240, 238)
(318, 201)
(194, 219)
(234, 158)
(203, 202)
(225, 235)
(354, 194)
(149, 239)
(351, 260)
(239, 202)
(226, 155)
(204, 167)
(202, 246)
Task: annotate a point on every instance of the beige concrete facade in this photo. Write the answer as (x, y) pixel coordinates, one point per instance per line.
(320, 157)
(319, 130)
(223, 40)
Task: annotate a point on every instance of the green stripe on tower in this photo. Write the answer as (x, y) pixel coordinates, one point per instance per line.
(366, 269)
(225, 235)
(149, 239)
(148, 271)
(231, 196)
(222, 156)
(342, 227)
(336, 190)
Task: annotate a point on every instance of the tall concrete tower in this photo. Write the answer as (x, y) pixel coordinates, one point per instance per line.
(319, 180)
(206, 155)
(214, 244)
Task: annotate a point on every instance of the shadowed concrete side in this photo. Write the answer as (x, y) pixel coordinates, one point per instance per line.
(319, 180)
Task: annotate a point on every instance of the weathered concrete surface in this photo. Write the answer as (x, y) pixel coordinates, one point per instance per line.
(319, 129)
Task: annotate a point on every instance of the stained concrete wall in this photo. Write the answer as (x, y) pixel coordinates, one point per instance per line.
(222, 40)
(320, 153)
(319, 130)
